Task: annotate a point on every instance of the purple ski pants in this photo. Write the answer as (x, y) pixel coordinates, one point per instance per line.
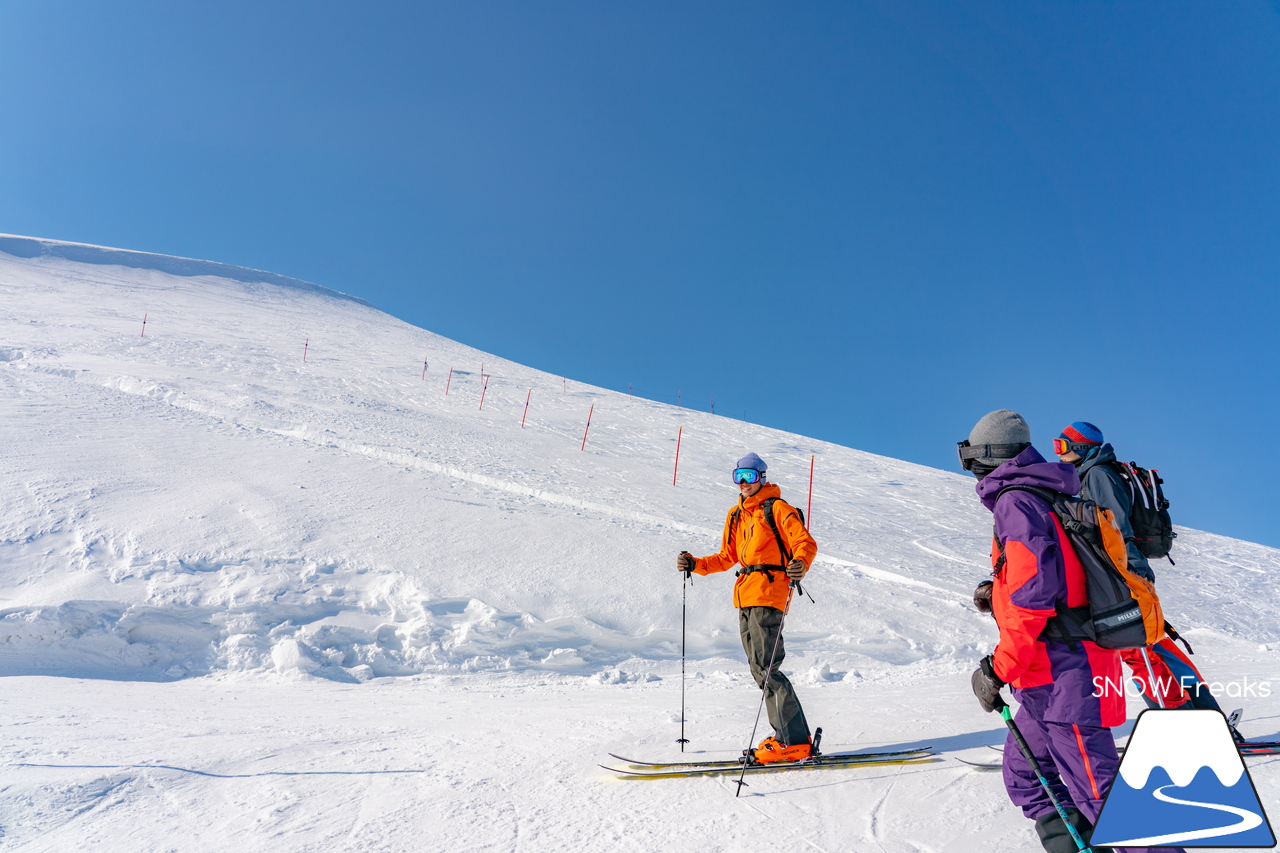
(1079, 762)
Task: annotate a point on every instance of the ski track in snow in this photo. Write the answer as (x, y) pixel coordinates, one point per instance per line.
(323, 605)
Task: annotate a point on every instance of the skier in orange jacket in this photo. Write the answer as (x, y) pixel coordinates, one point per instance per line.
(771, 557)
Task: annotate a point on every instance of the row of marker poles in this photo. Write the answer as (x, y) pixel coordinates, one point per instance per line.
(584, 432)
(449, 381)
(565, 380)
(306, 345)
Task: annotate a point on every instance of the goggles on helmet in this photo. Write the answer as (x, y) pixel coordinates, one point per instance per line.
(970, 453)
(1061, 447)
(745, 475)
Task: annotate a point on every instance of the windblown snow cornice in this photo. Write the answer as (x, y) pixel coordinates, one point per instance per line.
(35, 247)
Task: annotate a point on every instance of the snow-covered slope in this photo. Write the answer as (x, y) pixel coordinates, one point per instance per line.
(199, 501)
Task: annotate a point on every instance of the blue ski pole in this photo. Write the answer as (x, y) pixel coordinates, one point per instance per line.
(1035, 768)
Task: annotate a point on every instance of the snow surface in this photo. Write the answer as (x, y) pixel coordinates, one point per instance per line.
(326, 606)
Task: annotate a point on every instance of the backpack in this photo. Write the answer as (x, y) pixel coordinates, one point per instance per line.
(1123, 611)
(1149, 515)
(767, 505)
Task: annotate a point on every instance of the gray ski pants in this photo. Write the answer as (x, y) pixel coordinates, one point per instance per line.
(760, 628)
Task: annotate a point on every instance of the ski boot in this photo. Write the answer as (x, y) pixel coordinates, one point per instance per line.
(1233, 720)
(771, 751)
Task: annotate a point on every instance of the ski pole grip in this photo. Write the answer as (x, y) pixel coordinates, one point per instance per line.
(688, 572)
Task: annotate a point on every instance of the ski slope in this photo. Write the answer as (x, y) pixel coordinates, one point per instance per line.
(323, 605)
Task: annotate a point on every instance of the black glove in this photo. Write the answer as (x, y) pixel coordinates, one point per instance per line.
(986, 686)
(685, 563)
(982, 597)
(796, 569)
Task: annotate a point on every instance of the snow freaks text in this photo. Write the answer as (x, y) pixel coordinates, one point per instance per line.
(1136, 686)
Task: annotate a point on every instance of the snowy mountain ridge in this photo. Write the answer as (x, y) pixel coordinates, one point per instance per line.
(232, 564)
(87, 253)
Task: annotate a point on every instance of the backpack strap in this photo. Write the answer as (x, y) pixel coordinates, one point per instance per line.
(767, 570)
(1127, 477)
(1046, 495)
(1177, 638)
(767, 506)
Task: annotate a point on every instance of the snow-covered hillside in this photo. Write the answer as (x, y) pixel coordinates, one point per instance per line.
(259, 572)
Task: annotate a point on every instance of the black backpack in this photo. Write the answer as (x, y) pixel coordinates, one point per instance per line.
(1149, 513)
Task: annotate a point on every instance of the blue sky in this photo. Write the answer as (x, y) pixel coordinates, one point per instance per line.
(866, 222)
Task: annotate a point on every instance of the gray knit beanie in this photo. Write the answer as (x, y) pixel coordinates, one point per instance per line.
(1004, 428)
(751, 460)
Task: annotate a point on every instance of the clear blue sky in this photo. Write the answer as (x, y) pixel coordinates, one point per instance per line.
(869, 222)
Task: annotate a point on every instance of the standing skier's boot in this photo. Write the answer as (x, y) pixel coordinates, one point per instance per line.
(771, 750)
(1054, 834)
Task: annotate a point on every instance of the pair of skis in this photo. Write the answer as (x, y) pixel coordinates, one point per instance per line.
(1259, 747)
(1247, 748)
(681, 769)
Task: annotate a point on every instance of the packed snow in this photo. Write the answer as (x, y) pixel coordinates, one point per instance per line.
(323, 605)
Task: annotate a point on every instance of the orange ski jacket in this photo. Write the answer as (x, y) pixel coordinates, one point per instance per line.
(748, 540)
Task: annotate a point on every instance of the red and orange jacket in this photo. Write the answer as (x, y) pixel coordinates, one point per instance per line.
(748, 540)
(1054, 681)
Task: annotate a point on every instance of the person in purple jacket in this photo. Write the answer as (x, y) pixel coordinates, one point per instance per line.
(1064, 721)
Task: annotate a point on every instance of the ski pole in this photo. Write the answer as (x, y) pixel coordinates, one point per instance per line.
(764, 690)
(1035, 768)
(684, 602)
(1156, 689)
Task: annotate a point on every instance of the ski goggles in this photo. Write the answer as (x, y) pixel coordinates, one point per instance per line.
(746, 475)
(971, 453)
(1062, 446)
